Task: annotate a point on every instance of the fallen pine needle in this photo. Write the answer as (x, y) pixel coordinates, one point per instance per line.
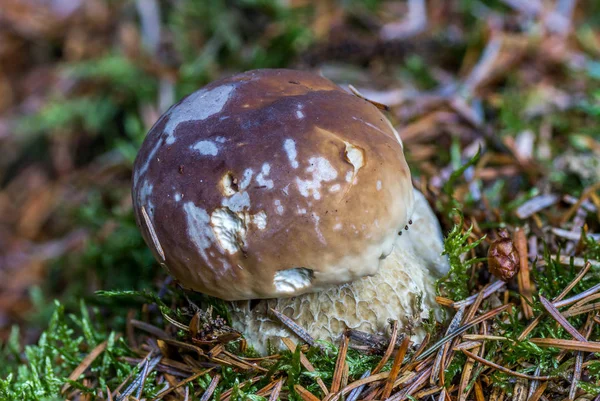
(304, 393)
(295, 327)
(503, 369)
(556, 315)
(276, 390)
(340, 365)
(573, 345)
(211, 388)
(87, 361)
(389, 350)
(306, 363)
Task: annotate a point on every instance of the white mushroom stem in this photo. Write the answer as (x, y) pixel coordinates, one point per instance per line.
(402, 290)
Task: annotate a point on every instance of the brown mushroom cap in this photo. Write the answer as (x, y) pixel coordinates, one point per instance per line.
(271, 183)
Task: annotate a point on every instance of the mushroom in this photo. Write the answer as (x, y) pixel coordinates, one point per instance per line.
(279, 187)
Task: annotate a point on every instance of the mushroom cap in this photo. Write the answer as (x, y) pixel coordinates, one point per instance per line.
(271, 183)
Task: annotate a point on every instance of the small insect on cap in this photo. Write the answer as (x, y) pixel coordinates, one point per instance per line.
(271, 183)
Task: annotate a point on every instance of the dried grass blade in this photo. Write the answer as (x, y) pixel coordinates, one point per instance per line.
(576, 375)
(139, 364)
(481, 337)
(577, 370)
(109, 396)
(586, 300)
(467, 345)
(497, 395)
(463, 392)
(534, 383)
(135, 383)
(425, 393)
(144, 375)
(155, 331)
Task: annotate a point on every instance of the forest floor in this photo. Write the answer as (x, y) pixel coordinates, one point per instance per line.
(498, 106)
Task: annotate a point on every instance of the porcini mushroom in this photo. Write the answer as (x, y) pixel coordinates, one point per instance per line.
(277, 185)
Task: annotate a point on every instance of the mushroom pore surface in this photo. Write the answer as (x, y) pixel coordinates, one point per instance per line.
(269, 184)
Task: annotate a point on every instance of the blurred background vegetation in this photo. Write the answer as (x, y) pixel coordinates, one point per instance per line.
(81, 82)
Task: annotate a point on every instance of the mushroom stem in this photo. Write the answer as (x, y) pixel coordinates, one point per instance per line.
(403, 289)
